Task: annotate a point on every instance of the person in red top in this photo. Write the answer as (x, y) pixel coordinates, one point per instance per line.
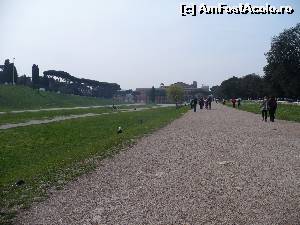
(233, 102)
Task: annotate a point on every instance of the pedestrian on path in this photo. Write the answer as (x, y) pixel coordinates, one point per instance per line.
(191, 103)
(239, 102)
(272, 106)
(206, 103)
(264, 109)
(209, 102)
(233, 101)
(201, 102)
(195, 104)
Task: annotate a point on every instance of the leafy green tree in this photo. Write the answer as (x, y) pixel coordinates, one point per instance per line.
(249, 86)
(8, 69)
(1, 74)
(44, 82)
(230, 88)
(24, 80)
(252, 86)
(66, 83)
(35, 76)
(215, 90)
(282, 72)
(175, 93)
(6, 72)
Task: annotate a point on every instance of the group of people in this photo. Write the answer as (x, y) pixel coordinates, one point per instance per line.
(236, 101)
(268, 105)
(203, 102)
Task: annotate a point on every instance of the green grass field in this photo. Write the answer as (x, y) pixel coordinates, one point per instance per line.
(21, 97)
(51, 154)
(284, 111)
(26, 116)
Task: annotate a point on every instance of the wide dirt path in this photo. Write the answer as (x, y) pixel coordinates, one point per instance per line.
(222, 166)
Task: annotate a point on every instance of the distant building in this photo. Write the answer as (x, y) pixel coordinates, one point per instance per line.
(190, 91)
(124, 96)
(143, 95)
(187, 86)
(205, 87)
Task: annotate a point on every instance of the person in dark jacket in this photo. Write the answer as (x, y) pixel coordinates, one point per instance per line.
(191, 103)
(239, 102)
(209, 99)
(195, 104)
(201, 102)
(272, 105)
(206, 103)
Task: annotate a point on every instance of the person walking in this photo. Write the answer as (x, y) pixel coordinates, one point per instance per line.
(239, 102)
(209, 102)
(264, 109)
(272, 106)
(191, 103)
(195, 104)
(233, 101)
(201, 102)
(206, 103)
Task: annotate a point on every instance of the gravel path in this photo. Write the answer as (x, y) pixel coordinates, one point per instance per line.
(222, 166)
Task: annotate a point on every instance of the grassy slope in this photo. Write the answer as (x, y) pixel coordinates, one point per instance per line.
(21, 97)
(284, 111)
(26, 116)
(51, 154)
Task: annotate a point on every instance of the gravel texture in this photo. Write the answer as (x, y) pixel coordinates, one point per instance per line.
(221, 166)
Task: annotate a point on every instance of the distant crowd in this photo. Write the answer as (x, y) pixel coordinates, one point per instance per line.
(203, 102)
(268, 106)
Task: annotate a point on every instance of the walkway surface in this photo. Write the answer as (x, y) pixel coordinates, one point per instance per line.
(222, 166)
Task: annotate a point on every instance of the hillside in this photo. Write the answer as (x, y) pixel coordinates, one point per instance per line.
(21, 97)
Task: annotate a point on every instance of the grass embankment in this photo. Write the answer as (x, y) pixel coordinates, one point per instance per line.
(26, 116)
(41, 115)
(51, 154)
(284, 111)
(21, 97)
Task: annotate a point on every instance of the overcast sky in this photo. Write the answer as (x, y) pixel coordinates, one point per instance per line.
(137, 43)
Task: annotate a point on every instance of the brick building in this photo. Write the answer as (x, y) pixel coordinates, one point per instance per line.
(190, 91)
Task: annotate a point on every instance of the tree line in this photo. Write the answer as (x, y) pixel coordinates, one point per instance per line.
(281, 74)
(7, 73)
(58, 81)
